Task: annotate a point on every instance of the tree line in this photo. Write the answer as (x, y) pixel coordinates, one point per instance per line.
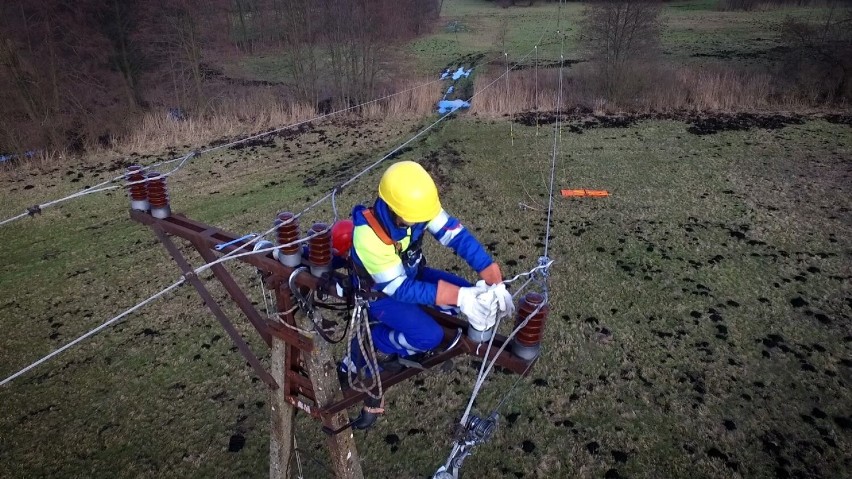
(65, 63)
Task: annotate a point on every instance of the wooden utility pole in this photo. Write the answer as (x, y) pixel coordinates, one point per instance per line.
(302, 374)
(282, 415)
(323, 372)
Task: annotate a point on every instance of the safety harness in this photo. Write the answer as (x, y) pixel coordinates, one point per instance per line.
(409, 257)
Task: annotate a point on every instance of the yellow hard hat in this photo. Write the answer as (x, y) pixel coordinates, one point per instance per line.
(410, 192)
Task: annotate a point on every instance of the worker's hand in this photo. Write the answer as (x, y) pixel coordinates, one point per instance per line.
(479, 305)
(505, 304)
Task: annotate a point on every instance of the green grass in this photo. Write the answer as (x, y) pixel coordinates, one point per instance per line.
(486, 28)
(693, 32)
(694, 310)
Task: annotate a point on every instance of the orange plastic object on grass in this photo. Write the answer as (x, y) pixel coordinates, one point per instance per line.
(592, 193)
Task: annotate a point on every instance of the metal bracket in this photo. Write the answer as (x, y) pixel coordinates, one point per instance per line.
(305, 303)
(34, 210)
(222, 246)
(542, 271)
(476, 431)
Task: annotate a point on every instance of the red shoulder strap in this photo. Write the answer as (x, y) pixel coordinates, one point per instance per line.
(377, 228)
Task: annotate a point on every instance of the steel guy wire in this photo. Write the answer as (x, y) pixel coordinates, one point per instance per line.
(483, 373)
(98, 187)
(478, 384)
(182, 159)
(556, 135)
(528, 273)
(232, 255)
(91, 332)
(101, 187)
(481, 376)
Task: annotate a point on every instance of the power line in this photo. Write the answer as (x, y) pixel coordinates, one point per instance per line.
(233, 254)
(91, 332)
(182, 159)
(35, 209)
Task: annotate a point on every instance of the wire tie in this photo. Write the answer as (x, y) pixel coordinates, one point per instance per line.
(544, 264)
(34, 210)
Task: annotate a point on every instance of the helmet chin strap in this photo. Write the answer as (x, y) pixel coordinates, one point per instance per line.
(397, 220)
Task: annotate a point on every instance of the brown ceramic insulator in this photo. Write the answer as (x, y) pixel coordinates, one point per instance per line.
(137, 192)
(289, 232)
(530, 335)
(319, 246)
(158, 195)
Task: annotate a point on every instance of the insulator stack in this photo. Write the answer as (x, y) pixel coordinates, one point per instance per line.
(288, 233)
(138, 192)
(527, 343)
(158, 195)
(319, 249)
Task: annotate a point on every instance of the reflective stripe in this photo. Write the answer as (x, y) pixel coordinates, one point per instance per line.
(348, 365)
(450, 234)
(438, 222)
(391, 287)
(399, 343)
(404, 343)
(395, 271)
(393, 341)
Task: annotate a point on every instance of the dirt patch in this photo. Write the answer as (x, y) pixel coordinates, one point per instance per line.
(839, 119)
(470, 60)
(710, 124)
(580, 119)
(529, 66)
(769, 53)
(440, 163)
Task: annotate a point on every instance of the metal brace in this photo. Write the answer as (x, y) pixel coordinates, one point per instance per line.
(222, 246)
(543, 270)
(306, 304)
(477, 431)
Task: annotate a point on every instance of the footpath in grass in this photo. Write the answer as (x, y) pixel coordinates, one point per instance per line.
(699, 327)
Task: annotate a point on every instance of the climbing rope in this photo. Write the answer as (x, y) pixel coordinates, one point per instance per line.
(360, 327)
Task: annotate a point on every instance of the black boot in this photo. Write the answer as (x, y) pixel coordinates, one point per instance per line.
(369, 413)
(388, 362)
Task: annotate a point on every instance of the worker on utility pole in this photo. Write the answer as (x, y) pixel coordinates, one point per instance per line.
(387, 257)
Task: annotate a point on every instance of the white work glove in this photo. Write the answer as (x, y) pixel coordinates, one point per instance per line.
(505, 304)
(479, 305)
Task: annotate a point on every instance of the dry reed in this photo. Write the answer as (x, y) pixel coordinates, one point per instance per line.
(648, 88)
(258, 111)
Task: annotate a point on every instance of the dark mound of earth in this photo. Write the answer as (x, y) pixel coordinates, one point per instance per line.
(579, 119)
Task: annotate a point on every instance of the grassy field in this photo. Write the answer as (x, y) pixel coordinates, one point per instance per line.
(700, 322)
(693, 32)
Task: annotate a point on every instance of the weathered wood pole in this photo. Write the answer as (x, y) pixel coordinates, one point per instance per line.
(322, 369)
(282, 414)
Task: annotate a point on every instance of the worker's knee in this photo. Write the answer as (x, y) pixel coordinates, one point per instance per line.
(425, 337)
(431, 337)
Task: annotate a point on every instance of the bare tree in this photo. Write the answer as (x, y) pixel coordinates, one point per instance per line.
(819, 58)
(618, 34)
(117, 20)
